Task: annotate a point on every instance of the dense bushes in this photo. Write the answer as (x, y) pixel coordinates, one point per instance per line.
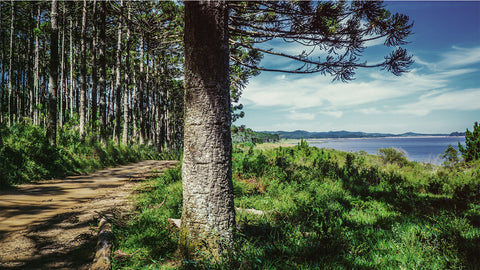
(326, 209)
(352, 210)
(26, 156)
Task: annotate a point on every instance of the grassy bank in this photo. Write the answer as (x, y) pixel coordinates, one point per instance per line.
(26, 156)
(324, 209)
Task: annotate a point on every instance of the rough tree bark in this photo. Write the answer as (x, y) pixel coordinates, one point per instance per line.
(53, 79)
(208, 215)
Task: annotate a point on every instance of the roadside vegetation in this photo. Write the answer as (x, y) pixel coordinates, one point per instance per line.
(26, 155)
(322, 209)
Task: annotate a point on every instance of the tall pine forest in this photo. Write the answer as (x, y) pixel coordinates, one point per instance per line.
(118, 68)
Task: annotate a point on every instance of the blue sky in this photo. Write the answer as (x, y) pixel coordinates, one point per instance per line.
(441, 93)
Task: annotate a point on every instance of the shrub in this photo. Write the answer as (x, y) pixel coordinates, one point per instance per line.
(451, 156)
(393, 156)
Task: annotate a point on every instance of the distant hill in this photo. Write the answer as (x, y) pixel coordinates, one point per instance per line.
(298, 134)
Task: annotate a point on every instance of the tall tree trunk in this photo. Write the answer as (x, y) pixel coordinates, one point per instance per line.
(83, 70)
(208, 215)
(71, 95)
(148, 103)
(61, 117)
(159, 121)
(31, 59)
(135, 106)
(2, 83)
(53, 79)
(141, 90)
(2, 72)
(10, 67)
(118, 85)
(127, 83)
(94, 67)
(18, 87)
(103, 73)
(36, 72)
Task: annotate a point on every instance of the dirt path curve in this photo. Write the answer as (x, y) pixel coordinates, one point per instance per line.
(52, 225)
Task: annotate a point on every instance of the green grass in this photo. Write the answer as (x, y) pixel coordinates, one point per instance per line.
(331, 210)
(148, 229)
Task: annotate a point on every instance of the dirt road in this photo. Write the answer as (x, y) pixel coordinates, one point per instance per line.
(52, 225)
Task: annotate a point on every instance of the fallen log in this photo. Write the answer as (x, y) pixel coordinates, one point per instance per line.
(104, 246)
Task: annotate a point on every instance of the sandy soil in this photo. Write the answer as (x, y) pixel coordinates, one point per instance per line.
(52, 224)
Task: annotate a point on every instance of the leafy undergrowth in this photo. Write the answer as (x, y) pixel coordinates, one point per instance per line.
(26, 156)
(330, 210)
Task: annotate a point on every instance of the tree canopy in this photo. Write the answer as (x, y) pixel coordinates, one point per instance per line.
(339, 30)
(471, 151)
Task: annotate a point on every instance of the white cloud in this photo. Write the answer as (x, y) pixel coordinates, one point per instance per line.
(431, 87)
(336, 114)
(293, 115)
(459, 57)
(318, 91)
(463, 100)
(370, 111)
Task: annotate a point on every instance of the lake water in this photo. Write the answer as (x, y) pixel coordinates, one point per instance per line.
(422, 149)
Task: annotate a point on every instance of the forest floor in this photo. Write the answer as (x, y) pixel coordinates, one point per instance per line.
(52, 224)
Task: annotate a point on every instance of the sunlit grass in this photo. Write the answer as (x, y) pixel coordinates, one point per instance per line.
(325, 209)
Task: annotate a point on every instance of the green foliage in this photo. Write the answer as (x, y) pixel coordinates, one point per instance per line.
(451, 157)
(26, 156)
(326, 209)
(393, 156)
(471, 151)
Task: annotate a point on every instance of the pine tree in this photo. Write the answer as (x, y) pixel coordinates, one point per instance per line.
(339, 29)
(471, 151)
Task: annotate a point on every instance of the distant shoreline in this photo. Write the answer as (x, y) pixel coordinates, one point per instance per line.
(386, 137)
(306, 135)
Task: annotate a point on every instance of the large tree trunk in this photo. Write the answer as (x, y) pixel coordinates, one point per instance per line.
(53, 79)
(83, 71)
(103, 73)
(118, 84)
(208, 215)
